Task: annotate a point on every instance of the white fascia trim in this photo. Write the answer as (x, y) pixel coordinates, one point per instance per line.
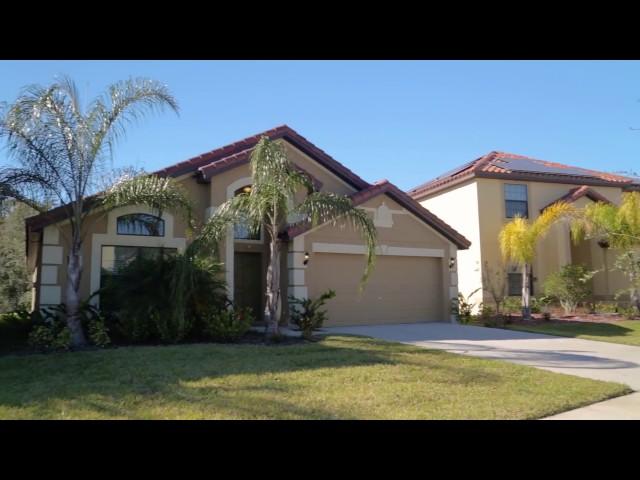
(351, 249)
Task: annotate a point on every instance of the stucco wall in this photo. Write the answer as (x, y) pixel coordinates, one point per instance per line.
(458, 207)
(405, 233)
(476, 209)
(551, 251)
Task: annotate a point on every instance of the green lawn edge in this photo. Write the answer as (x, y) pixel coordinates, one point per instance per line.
(338, 377)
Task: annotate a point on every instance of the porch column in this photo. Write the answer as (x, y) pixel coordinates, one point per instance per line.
(296, 269)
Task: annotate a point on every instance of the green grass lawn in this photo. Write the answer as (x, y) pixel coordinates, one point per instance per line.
(623, 331)
(340, 377)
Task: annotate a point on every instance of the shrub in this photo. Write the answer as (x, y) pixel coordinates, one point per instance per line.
(489, 317)
(541, 304)
(98, 332)
(51, 333)
(512, 305)
(164, 299)
(228, 325)
(462, 307)
(534, 305)
(629, 264)
(628, 312)
(310, 315)
(606, 307)
(570, 285)
(15, 328)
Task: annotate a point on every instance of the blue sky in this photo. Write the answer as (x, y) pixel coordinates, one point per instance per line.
(407, 121)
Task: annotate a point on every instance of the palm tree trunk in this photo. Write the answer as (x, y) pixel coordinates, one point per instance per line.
(271, 310)
(72, 298)
(526, 309)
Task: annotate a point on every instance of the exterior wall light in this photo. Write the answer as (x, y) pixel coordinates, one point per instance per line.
(306, 258)
(452, 263)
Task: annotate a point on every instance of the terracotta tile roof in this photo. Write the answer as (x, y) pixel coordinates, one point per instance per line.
(577, 193)
(230, 156)
(520, 167)
(218, 160)
(386, 187)
(192, 164)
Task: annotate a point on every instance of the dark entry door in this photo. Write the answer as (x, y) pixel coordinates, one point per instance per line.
(247, 283)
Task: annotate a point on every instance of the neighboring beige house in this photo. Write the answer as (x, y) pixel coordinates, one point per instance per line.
(478, 198)
(415, 275)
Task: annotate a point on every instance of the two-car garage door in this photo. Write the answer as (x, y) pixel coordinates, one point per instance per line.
(401, 289)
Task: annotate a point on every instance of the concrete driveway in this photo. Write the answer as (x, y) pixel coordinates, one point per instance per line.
(584, 358)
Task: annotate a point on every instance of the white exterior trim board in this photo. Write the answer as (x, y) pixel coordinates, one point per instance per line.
(352, 249)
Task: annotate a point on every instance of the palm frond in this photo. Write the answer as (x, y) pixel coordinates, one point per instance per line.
(519, 237)
(216, 227)
(515, 241)
(620, 225)
(552, 214)
(158, 193)
(124, 103)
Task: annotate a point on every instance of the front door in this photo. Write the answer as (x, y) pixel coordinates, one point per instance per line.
(247, 283)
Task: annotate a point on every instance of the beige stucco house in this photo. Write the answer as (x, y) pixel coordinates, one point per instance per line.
(478, 198)
(415, 275)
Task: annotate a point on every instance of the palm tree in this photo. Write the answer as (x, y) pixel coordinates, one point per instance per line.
(271, 201)
(62, 151)
(619, 227)
(518, 240)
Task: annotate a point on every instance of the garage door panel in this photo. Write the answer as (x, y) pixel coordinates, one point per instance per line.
(401, 289)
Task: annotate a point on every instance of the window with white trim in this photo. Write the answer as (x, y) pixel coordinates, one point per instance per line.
(140, 224)
(514, 281)
(516, 200)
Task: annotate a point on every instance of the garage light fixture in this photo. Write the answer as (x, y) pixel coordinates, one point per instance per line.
(306, 258)
(452, 263)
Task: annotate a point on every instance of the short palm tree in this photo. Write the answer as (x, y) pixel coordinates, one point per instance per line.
(271, 201)
(62, 153)
(619, 226)
(518, 240)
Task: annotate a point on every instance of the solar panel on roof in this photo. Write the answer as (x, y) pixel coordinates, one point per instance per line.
(454, 171)
(537, 166)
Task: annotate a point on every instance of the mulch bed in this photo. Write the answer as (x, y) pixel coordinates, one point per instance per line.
(558, 316)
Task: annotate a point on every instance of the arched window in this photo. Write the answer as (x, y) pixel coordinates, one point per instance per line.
(241, 230)
(141, 224)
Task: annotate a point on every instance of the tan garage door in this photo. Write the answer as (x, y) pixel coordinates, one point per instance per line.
(401, 289)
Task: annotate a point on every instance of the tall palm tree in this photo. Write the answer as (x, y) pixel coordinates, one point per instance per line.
(518, 240)
(62, 152)
(271, 200)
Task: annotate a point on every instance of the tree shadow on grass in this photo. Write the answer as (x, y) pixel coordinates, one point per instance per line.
(573, 329)
(207, 380)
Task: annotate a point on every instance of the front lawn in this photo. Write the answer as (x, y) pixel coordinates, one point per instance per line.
(622, 331)
(340, 377)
